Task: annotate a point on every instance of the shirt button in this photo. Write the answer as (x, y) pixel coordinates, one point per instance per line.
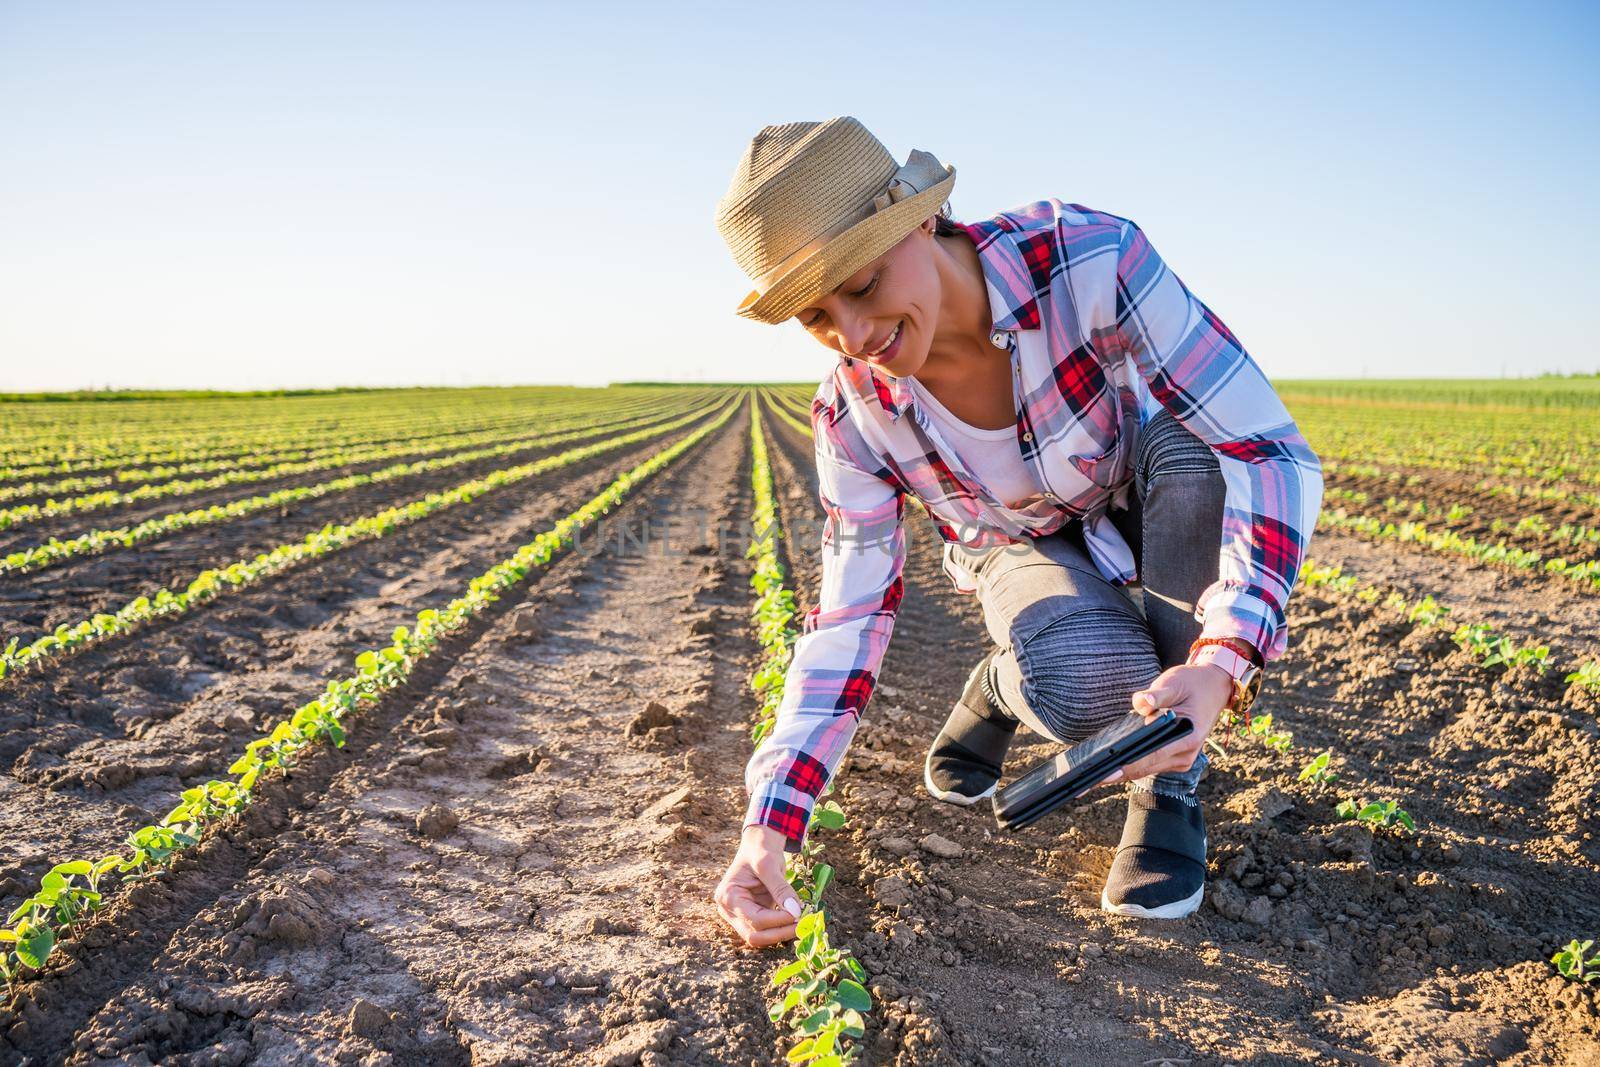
(1027, 436)
(997, 339)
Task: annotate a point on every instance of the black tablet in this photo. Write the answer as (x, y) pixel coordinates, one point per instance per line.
(1074, 771)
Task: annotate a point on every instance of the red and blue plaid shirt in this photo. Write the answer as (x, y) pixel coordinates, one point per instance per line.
(1102, 335)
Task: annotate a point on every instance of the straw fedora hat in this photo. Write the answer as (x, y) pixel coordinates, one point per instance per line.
(813, 202)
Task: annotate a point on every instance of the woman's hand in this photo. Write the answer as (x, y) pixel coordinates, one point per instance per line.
(754, 897)
(1198, 692)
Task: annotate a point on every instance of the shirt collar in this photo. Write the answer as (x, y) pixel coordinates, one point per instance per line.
(1008, 280)
(1016, 264)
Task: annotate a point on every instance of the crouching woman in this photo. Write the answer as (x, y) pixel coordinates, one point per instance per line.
(1113, 476)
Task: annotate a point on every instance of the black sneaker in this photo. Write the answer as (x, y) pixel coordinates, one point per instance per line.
(1159, 871)
(963, 765)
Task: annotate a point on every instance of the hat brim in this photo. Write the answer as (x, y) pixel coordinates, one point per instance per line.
(827, 268)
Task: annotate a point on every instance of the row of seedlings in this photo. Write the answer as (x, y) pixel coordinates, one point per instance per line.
(73, 890)
(821, 996)
(69, 638)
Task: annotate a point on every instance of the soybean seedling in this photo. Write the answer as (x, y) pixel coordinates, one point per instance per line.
(1386, 813)
(1277, 740)
(36, 925)
(1492, 650)
(1571, 963)
(827, 997)
(1427, 611)
(1317, 772)
(1587, 675)
(826, 992)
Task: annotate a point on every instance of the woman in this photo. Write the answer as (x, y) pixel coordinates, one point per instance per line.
(1078, 421)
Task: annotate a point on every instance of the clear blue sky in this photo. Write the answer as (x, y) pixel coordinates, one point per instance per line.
(265, 194)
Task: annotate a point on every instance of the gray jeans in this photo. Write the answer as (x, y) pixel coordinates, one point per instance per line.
(1073, 647)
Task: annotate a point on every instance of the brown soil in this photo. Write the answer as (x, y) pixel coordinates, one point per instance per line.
(105, 741)
(336, 507)
(1441, 490)
(1531, 608)
(512, 860)
(1376, 949)
(36, 603)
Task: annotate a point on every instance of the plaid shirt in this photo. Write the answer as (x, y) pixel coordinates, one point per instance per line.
(1102, 335)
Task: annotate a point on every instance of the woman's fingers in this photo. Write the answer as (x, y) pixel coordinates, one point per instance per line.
(1157, 698)
(758, 926)
(739, 900)
(783, 894)
(756, 923)
(754, 897)
(765, 918)
(764, 938)
(731, 904)
(1165, 759)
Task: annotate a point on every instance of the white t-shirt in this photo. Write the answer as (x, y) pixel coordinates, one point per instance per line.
(993, 456)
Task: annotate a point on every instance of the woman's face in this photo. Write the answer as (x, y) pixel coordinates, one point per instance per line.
(893, 299)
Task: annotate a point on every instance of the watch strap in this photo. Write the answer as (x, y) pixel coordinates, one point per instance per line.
(1240, 646)
(1228, 654)
(1226, 658)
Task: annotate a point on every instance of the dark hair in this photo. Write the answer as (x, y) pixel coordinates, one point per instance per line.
(943, 224)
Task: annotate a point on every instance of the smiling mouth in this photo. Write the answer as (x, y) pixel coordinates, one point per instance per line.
(887, 341)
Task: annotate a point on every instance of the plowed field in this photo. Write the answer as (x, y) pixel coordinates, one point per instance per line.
(510, 858)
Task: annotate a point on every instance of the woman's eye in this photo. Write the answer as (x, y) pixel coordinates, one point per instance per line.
(813, 323)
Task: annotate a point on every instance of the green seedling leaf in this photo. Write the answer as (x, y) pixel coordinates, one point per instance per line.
(853, 995)
(816, 1020)
(788, 971)
(35, 945)
(828, 818)
(809, 923)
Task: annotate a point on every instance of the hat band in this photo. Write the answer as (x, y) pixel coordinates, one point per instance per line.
(921, 172)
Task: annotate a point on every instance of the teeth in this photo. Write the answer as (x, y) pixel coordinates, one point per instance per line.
(888, 341)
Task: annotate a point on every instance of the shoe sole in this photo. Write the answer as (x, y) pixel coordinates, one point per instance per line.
(1178, 909)
(948, 796)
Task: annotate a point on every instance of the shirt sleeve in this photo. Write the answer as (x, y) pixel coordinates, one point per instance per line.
(843, 637)
(1196, 368)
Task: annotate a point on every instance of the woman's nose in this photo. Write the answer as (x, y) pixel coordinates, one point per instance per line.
(854, 335)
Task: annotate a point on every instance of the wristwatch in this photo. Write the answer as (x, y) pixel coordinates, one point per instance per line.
(1242, 662)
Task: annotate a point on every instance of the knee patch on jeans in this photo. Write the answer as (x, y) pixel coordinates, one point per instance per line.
(1080, 671)
(1167, 447)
